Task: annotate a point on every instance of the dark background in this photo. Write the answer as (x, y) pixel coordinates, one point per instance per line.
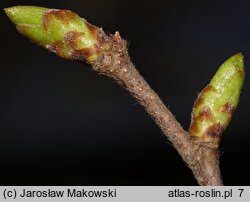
(62, 124)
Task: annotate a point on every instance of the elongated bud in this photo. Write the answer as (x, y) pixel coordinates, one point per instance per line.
(60, 31)
(215, 105)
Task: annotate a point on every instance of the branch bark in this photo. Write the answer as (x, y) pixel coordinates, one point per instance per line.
(202, 158)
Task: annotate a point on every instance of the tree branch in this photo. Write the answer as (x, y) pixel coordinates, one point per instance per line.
(71, 37)
(203, 159)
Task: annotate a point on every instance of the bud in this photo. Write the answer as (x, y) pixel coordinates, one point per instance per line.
(60, 31)
(216, 103)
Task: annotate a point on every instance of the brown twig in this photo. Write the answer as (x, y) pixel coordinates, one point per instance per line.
(202, 158)
(108, 55)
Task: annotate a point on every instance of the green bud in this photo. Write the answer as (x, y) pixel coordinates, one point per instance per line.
(60, 31)
(215, 105)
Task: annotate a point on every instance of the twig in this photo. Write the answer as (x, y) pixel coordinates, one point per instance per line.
(202, 158)
(73, 38)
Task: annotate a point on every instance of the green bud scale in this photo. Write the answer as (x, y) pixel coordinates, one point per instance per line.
(60, 31)
(215, 105)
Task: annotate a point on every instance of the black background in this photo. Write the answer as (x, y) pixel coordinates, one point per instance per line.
(62, 124)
